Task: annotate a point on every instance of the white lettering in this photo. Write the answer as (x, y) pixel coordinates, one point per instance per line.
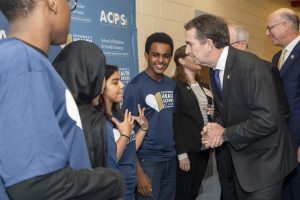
(113, 18)
(2, 34)
(103, 17)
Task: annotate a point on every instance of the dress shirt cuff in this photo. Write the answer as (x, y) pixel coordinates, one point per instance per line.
(182, 156)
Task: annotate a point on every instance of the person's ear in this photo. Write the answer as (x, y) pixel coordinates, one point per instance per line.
(146, 55)
(210, 44)
(181, 61)
(53, 5)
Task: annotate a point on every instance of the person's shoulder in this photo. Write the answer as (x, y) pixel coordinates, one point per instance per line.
(19, 50)
(167, 79)
(246, 59)
(204, 85)
(245, 55)
(14, 52)
(11, 47)
(138, 78)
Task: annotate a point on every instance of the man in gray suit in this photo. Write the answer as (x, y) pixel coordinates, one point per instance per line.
(248, 118)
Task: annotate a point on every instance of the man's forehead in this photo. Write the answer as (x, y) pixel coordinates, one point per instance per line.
(274, 17)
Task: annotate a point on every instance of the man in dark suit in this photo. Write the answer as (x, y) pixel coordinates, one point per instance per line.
(248, 116)
(239, 38)
(283, 30)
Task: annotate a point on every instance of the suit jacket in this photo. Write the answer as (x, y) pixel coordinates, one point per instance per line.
(258, 137)
(188, 120)
(290, 75)
(281, 97)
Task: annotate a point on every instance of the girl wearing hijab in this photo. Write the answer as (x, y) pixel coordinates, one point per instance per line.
(122, 140)
(192, 100)
(81, 65)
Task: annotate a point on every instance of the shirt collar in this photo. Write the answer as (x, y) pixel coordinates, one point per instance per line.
(222, 60)
(291, 45)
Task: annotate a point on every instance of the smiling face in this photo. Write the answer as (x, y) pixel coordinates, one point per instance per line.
(276, 29)
(114, 89)
(158, 59)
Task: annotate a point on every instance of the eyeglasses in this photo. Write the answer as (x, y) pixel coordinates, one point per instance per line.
(73, 4)
(270, 27)
(238, 42)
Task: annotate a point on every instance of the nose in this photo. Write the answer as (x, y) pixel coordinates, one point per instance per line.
(188, 49)
(160, 58)
(121, 84)
(267, 32)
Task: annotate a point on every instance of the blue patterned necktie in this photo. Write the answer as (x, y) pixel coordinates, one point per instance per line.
(218, 83)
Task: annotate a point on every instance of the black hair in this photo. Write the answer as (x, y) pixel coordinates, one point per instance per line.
(116, 110)
(160, 38)
(210, 27)
(15, 8)
(180, 74)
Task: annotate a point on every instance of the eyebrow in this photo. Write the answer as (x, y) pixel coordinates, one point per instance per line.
(154, 52)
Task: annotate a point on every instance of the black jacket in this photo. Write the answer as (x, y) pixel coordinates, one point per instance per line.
(82, 66)
(188, 120)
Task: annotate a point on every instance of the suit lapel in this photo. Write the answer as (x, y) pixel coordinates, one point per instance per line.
(294, 54)
(227, 78)
(189, 89)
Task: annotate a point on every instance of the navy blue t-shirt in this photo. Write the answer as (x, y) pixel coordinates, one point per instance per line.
(40, 127)
(158, 98)
(127, 162)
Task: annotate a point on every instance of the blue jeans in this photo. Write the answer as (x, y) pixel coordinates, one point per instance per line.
(163, 179)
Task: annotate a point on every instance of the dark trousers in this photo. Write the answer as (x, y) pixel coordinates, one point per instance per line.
(230, 187)
(291, 185)
(67, 184)
(188, 183)
(272, 192)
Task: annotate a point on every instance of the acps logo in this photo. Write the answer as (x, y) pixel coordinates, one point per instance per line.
(113, 18)
(2, 34)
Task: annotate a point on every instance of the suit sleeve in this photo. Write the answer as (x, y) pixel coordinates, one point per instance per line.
(261, 107)
(178, 133)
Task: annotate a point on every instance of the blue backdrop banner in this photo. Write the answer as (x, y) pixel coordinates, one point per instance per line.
(111, 24)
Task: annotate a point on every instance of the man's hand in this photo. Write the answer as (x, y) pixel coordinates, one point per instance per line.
(212, 135)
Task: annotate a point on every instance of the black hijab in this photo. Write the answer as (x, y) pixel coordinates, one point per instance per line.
(81, 65)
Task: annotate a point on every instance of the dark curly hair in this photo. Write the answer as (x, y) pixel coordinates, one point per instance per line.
(161, 38)
(15, 8)
(210, 27)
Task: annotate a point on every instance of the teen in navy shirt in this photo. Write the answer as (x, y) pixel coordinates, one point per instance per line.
(156, 92)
